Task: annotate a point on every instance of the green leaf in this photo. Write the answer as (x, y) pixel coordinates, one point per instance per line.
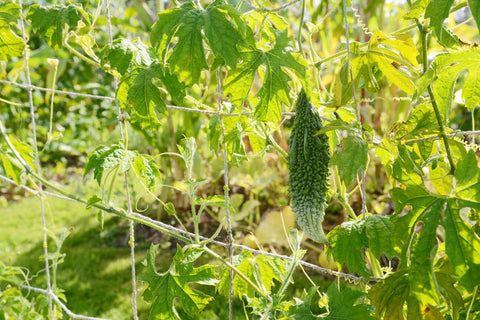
(379, 231)
(301, 309)
(437, 11)
(462, 246)
(191, 26)
(145, 169)
(143, 99)
(405, 169)
(92, 200)
(122, 53)
(261, 270)
(351, 158)
(446, 283)
(104, 158)
(475, 10)
(347, 241)
(170, 209)
(12, 170)
(343, 305)
(388, 296)
(11, 45)
(274, 90)
(421, 275)
(416, 10)
(468, 180)
(214, 133)
(50, 21)
(164, 288)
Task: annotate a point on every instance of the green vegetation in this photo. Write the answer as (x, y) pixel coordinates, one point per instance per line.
(171, 130)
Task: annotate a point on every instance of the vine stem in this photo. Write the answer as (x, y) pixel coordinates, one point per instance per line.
(357, 111)
(226, 191)
(423, 37)
(471, 303)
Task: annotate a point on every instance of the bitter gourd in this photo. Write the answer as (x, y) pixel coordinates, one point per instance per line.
(308, 159)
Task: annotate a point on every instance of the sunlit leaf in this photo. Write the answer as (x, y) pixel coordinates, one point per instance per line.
(274, 89)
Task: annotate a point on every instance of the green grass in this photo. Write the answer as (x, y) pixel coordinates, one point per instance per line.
(96, 272)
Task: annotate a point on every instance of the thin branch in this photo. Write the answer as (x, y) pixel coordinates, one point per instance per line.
(57, 300)
(357, 110)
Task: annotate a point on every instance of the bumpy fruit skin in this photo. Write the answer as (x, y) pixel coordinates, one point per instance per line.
(308, 169)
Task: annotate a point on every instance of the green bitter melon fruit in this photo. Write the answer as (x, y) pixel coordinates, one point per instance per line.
(308, 169)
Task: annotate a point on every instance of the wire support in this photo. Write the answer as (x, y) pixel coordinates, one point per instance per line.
(37, 162)
(124, 136)
(220, 243)
(60, 303)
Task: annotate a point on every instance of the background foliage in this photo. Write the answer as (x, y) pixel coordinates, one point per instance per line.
(155, 115)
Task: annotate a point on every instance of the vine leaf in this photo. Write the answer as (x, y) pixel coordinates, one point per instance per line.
(351, 158)
(429, 211)
(437, 11)
(164, 288)
(393, 54)
(348, 240)
(405, 169)
(114, 157)
(417, 9)
(275, 89)
(449, 67)
(191, 26)
(475, 9)
(342, 304)
(11, 45)
(50, 21)
(259, 269)
(122, 54)
(389, 296)
(140, 94)
(300, 310)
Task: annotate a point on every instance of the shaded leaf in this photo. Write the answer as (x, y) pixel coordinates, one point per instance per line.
(343, 305)
(347, 241)
(437, 11)
(164, 288)
(191, 26)
(50, 21)
(351, 158)
(122, 53)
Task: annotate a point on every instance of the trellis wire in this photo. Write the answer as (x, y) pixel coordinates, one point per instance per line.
(124, 135)
(59, 302)
(192, 235)
(37, 161)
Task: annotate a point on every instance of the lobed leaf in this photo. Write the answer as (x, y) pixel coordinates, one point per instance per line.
(50, 21)
(164, 288)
